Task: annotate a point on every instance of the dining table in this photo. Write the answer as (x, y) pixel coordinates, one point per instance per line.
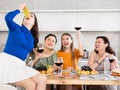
(97, 79)
(83, 80)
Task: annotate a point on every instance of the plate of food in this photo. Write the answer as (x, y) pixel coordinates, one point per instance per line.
(86, 70)
(116, 72)
(47, 72)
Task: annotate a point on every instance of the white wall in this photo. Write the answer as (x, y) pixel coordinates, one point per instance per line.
(89, 20)
(61, 4)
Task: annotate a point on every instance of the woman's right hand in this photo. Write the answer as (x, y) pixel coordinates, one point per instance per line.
(37, 55)
(22, 6)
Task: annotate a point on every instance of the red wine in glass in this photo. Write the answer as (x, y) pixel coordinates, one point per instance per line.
(58, 63)
(111, 60)
(78, 28)
(40, 50)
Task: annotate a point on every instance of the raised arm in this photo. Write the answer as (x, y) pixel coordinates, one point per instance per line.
(80, 46)
(11, 15)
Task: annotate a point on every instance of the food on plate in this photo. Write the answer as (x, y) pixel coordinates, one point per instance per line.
(46, 72)
(41, 68)
(44, 69)
(116, 72)
(79, 72)
(94, 72)
(86, 70)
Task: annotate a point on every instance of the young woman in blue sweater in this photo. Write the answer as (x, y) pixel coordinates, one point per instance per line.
(21, 41)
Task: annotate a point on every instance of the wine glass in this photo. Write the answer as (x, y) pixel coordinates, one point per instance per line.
(40, 48)
(59, 62)
(77, 28)
(112, 58)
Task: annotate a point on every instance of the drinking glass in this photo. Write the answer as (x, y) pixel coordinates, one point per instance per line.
(59, 62)
(40, 48)
(112, 58)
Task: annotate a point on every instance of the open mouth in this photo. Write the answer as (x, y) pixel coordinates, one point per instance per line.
(66, 44)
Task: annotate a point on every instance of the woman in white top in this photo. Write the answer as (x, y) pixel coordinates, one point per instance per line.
(97, 58)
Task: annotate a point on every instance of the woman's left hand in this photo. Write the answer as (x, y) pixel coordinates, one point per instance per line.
(114, 65)
(22, 6)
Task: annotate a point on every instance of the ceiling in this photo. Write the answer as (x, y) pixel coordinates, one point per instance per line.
(60, 4)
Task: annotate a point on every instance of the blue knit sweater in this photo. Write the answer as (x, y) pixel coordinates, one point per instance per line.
(20, 40)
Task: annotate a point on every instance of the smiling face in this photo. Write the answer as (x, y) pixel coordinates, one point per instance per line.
(50, 42)
(30, 21)
(66, 41)
(100, 45)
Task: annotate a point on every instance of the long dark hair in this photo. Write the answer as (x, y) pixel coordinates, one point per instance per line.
(71, 46)
(35, 31)
(108, 48)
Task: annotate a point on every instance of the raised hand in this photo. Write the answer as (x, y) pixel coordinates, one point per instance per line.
(22, 6)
